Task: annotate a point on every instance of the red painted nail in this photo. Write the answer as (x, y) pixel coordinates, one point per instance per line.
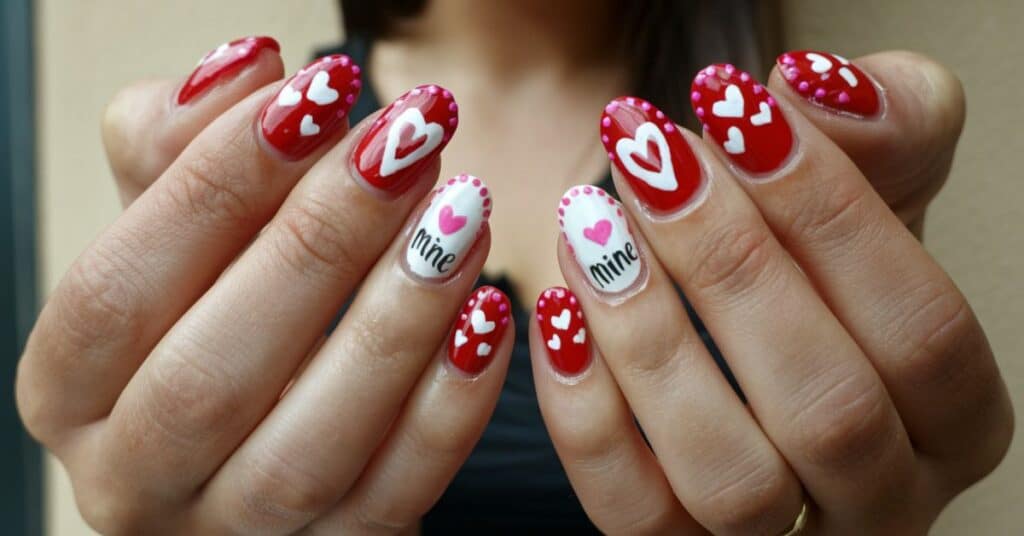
(478, 330)
(742, 117)
(562, 327)
(830, 81)
(406, 137)
(223, 61)
(311, 106)
(651, 153)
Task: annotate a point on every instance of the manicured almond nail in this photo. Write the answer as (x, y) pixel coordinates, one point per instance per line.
(449, 227)
(406, 137)
(560, 319)
(478, 330)
(311, 106)
(831, 81)
(740, 115)
(223, 63)
(598, 237)
(647, 147)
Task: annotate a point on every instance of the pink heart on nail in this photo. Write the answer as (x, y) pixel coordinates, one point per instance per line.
(599, 232)
(448, 221)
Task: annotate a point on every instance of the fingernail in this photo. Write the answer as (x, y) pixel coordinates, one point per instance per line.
(311, 106)
(651, 153)
(406, 137)
(448, 228)
(478, 330)
(598, 236)
(830, 81)
(740, 115)
(223, 63)
(563, 329)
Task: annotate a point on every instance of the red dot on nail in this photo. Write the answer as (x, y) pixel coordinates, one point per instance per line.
(451, 181)
(476, 182)
(487, 213)
(588, 190)
(600, 192)
(565, 201)
(453, 121)
(611, 201)
(611, 156)
(604, 138)
(561, 211)
(487, 202)
(572, 300)
(803, 86)
(606, 122)
(574, 192)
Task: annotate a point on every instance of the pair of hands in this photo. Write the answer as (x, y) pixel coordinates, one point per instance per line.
(180, 372)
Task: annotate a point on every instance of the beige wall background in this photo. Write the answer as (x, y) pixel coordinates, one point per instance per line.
(976, 227)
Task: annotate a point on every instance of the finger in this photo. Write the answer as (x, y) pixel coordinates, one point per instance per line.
(898, 119)
(289, 283)
(123, 294)
(441, 422)
(298, 463)
(721, 465)
(808, 384)
(613, 472)
(893, 298)
(147, 125)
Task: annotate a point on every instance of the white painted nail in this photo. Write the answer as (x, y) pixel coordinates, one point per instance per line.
(449, 227)
(599, 238)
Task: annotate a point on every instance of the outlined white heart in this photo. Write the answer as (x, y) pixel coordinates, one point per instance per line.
(460, 338)
(663, 179)
(307, 127)
(414, 117)
(483, 349)
(555, 343)
(288, 97)
(562, 320)
(580, 336)
(735, 144)
(762, 118)
(819, 64)
(480, 324)
(732, 106)
(319, 92)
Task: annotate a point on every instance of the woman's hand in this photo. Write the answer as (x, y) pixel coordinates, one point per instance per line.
(180, 369)
(872, 395)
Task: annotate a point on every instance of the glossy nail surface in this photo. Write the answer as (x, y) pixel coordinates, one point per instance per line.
(831, 81)
(449, 227)
(561, 323)
(311, 106)
(599, 238)
(406, 137)
(740, 115)
(478, 330)
(223, 62)
(651, 153)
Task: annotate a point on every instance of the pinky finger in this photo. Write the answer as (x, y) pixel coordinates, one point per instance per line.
(615, 475)
(443, 418)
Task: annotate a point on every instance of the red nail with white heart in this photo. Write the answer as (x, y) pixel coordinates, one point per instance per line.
(222, 63)
(406, 137)
(740, 115)
(478, 330)
(563, 329)
(830, 81)
(650, 151)
(450, 225)
(311, 106)
(598, 236)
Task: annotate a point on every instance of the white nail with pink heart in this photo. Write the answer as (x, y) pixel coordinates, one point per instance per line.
(598, 236)
(449, 227)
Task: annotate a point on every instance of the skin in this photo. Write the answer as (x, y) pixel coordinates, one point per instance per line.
(873, 395)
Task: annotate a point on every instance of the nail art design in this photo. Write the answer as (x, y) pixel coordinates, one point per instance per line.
(831, 81)
(478, 330)
(227, 59)
(563, 329)
(406, 136)
(742, 117)
(651, 153)
(311, 106)
(449, 227)
(599, 238)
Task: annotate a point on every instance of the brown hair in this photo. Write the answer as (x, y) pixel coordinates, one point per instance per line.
(674, 38)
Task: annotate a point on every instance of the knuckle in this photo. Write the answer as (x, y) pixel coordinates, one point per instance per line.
(277, 492)
(378, 517)
(747, 495)
(209, 187)
(835, 220)
(733, 259)
(377, 337)
(100, 296)
(316, 240)
(938, 337)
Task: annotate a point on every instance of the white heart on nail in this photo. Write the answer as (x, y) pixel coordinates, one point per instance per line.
(819, 64)
(555, 343)
(848, 75)
(664, 178)
(735, 144)
(319, 92)
(732, 106)
(562, 320)
(483, 349)
(580, 336)
(460, 338)
(414, 117)
(763, 117)
(288, 97)
(480, 323)
(307, 127)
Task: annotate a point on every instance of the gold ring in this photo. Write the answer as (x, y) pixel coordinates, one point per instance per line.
(798, 525)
